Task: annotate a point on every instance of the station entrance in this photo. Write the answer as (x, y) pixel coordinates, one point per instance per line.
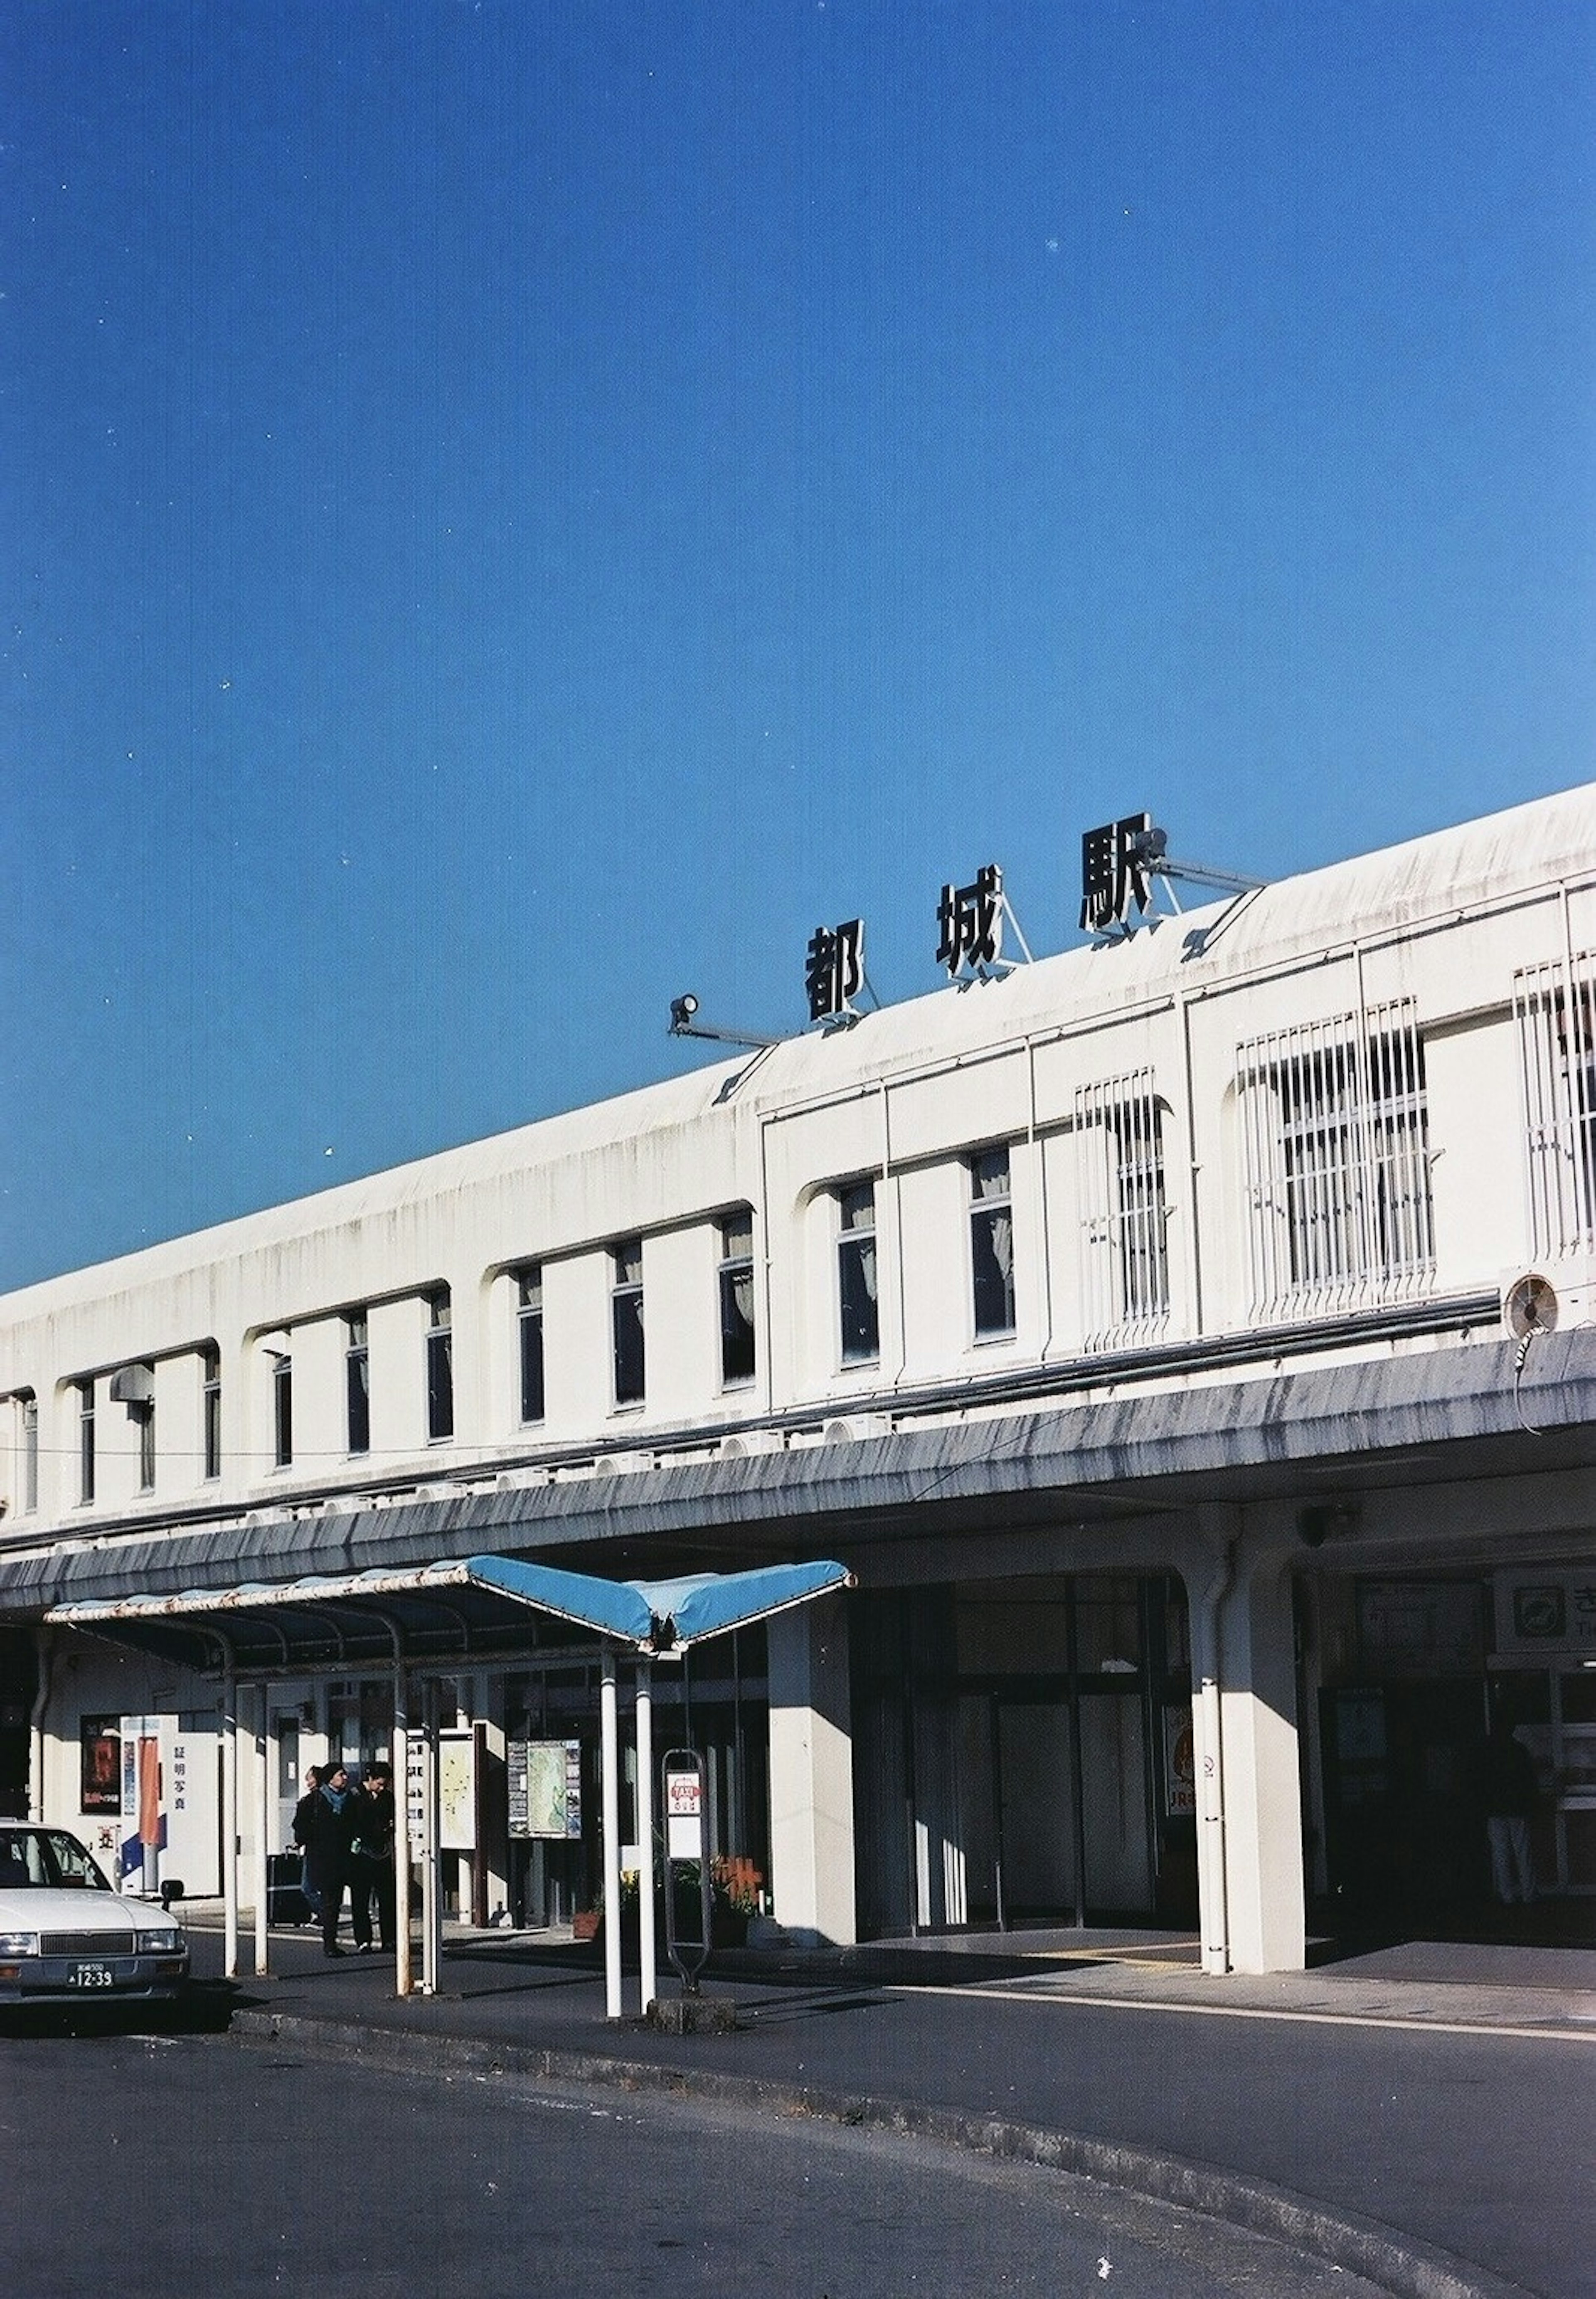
(1023, 1755)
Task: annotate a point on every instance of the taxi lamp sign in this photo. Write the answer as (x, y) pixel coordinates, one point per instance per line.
(686, 1847)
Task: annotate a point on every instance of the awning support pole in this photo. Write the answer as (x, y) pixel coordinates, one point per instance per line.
(262, 1804)
(609, 1755)
(645, 1836)
(432, 1912)
(230, 1820)
(404, 1982)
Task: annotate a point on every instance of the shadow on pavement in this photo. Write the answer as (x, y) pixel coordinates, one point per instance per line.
(201, 2007)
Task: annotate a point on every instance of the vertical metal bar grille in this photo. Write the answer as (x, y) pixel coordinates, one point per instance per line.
(1555, 1009)
(1335, 1151)
(1124, 1253)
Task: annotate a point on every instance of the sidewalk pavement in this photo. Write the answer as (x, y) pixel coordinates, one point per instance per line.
(1385, 2113)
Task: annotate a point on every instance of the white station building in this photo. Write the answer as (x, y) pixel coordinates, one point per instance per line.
(1186, 1344)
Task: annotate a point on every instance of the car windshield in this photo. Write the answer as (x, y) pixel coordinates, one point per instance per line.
(47, 1859)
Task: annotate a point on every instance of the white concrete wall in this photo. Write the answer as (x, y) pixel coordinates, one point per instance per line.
(902, 1099)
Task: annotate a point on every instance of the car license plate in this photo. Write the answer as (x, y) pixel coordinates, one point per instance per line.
(91, 1975)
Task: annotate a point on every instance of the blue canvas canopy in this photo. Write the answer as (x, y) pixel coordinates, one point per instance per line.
(659, 1616)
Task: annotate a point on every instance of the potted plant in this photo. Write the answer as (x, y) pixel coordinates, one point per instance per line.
(735, 1897)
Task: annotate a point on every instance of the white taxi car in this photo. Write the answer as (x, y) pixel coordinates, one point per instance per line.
(66, 1937)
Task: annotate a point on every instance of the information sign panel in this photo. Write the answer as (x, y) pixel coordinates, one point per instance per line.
(545, 1788)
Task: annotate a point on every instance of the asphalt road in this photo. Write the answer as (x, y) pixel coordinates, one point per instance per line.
(1477, 2143)
(150, 2166)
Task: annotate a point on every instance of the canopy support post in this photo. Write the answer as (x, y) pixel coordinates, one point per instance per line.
(645, 1836)
(610, 1754)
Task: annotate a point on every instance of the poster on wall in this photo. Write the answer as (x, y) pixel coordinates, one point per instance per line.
(457, 1792)
(100, 1744)
(1180, 1762)
(545, 1788)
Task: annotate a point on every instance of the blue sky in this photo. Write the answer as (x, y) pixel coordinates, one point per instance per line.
(512, 511)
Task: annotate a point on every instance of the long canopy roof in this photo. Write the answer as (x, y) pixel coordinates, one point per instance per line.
(462, 1607)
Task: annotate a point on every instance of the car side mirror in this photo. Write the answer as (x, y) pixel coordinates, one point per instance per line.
(170, 1890)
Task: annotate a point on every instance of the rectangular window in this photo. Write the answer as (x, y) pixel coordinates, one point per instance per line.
(1555, 1009)
(991, 1245)
(282, 1408)
(28, 1409)
(357, 1382)
(528, 1317)
(1335, 1135)
(211, 1409)
(736, 1300)
(626, 1317)
(1124, 1259)
(861, 1325)
(440, 1368)
(86, 1442)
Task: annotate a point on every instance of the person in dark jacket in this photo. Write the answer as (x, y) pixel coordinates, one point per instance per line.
(371, 1867)
(298, 1831)
(1507, 1791)
(329, 1825)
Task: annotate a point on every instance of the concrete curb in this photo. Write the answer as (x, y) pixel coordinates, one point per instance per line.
(1404, 2266)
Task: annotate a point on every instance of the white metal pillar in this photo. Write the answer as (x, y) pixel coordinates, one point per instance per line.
(230, 1822)
(647, 1958)
(403, 1980)
(610, 1753)
(261, 1798)
(432, 1910)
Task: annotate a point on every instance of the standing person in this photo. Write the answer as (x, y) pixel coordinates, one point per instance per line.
(1507, 1785)
(299, 1833)
(371, 1867)
(330, 1834)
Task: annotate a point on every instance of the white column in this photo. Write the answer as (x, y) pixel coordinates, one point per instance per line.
(610, 1822)
(230, 1823)
(1244, 1729)
(1263, 1795)
(403, 1979)
(811, 1774)
(261, 1798)
(432, 1908)
(647, 1959)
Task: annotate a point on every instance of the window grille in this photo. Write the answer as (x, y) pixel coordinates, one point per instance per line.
(1335, 1145)
(1125, 1214)
(1554, 1007)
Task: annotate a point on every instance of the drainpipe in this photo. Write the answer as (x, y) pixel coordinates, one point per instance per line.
(44, 1646)
(1214, 1895)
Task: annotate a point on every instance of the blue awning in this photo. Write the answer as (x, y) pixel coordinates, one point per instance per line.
(659, 1615)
